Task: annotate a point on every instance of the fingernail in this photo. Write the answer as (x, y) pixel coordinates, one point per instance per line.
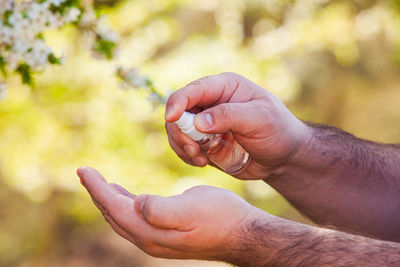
(169, 112)
(204, 121)
(189, 149)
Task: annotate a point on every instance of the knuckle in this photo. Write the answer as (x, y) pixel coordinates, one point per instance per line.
(224, 111)
(196, 83)
(232, 79)
(231, 76)
(202, 82)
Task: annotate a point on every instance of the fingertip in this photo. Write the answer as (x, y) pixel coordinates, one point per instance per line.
(81, 171)
(89, 175)
(175, 107)
(171, 109)
(174, 115)
(169, 113)
(200, 161)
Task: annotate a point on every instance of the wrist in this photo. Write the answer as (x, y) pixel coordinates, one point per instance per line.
(267, 240)
(248, 241)
(299, 156)
(303, 148)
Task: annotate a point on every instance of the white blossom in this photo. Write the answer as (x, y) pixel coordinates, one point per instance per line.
(156, 99)
(55, 2)
(105, 31)
(88, 18)
(22, 22)
(20, 32)
(5, 5)
(73, 14)
(96, 29)
(37, 58)
(131, 78)
(6, 35)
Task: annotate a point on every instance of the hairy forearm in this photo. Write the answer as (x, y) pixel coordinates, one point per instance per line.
(339, 180)
(280, 242)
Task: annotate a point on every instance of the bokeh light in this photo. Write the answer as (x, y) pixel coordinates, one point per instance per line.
(333, 62)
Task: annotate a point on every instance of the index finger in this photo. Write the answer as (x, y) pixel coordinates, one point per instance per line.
(206, 91)
(97, 186)
(121, 214)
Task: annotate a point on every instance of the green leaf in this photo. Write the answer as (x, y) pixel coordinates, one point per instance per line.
(25, 71)
(7, 16)
(40, 36)
(53, 59)
(63, 7)
(3, 66)
(105, 48)
(24, 15)
(149, 83)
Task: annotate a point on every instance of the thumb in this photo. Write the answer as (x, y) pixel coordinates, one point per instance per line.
(163, 212)
(239, 118)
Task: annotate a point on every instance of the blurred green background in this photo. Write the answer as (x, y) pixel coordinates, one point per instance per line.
(333, 62)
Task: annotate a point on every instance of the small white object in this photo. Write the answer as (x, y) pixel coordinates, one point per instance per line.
(186, 124)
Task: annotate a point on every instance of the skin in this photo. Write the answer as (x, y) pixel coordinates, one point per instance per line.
(258, 120)
(331, 176)
(227, 228)
(171, 227)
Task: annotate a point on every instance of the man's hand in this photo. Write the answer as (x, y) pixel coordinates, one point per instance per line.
(229, 102)
(329, 175)
(209, 223)
(202, 223)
